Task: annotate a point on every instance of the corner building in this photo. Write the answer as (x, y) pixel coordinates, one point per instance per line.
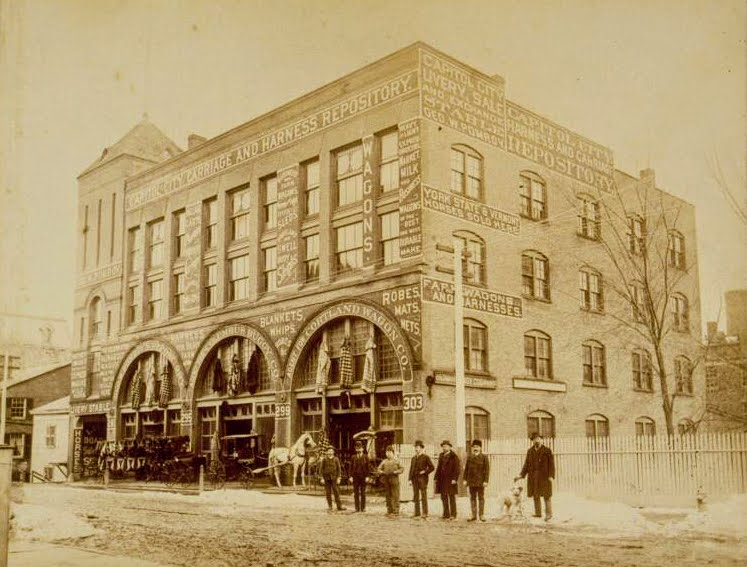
(220, 287)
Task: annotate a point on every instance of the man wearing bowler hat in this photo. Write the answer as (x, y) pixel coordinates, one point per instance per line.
(360, 470)
(420, 467)
(476, 474)
(446, 479)
(539, 466)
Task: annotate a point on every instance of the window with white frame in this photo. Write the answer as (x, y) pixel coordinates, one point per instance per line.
(594, 364)
(50, 436)
(390, 238)
(210, 222)
(96, 318)
(473, 261)
(535, 275)
(270, 192)
(645, 427)
(538, 355)
(676, 250)
(589, 225)
(541, 422)
(466, 172)
(533, 194)
(94, 372)
(475, 346)
(680, 313)
(597, 426)
(210, 285)
(636, 235)
(133, 305)
(590, 287)
(683, 375)
(311, 261)
(269, 268)
(311, 198)
(349, 175)
(155, 299)
(685, 426)
(180, 232)
(477, 422)
(238, 278)
(135, 244)
(349, 247)
(14, 364)
(17, 408)
(155, 239)
(178, 292)
(389, 168)
(637, 302)
(643, 376)
(18, 442)
(239, 214)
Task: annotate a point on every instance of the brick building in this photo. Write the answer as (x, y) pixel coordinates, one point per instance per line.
(295, 272)
(726, 368)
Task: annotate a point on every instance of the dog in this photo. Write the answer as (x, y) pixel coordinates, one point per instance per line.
(511, 503)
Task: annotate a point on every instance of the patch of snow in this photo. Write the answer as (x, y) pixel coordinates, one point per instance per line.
(38, 523)
(726, 518)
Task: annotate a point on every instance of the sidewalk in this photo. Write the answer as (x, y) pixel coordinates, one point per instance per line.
(36, 554)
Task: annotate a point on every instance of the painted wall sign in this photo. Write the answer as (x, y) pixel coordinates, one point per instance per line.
(404, 302)
(475, 298)
(461, 207)
(463, 99)
(89, 408)
(384, 93)
(413, 402)
(105, 273)
(282, 326)
(557, 148)
(410, 218)
(369, 209)
(287, 226)
(193, 258)
(78, 450)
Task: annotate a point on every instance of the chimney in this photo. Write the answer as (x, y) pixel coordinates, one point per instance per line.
(711, 330)
(193, 140)
(648, 175)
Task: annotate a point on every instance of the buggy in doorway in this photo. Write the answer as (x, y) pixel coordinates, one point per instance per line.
(375, 443)
(242, 458)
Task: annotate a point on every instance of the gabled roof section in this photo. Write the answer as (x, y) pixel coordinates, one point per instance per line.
(37, 371)
(145, 141)
(61, 405)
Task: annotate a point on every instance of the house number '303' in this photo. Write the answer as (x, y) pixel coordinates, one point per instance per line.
(413, 402)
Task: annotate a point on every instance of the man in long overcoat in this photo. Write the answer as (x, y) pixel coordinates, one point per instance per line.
(446, 479)
(360, 471)
(539, 466)
(420, 467)
(476, 476)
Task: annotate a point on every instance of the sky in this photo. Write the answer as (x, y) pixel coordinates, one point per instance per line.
(661, 82)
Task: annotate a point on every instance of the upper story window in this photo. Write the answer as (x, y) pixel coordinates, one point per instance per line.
(590, 287)
(535, 275)
(14, 366)
(270, 190)
(389, 168)
(210, 285)
(270, 268)
(210, 222)
(238, 278)
(133, 306)
(155, 299)
(349, 247)
(94, 372)
(239, 214)
(538, 355)
(135, 244)
(475, 346)
(473, 261)
(638, 302)
(680, 313)
(311, 198)
(311, 262)
(466, 172)
(155, 257)
(541, 422)
(645, 427)
(683, 375)
(96, 317)
(390, 238)
(349, 175)
(180, 233)
(51, 436)
(636, 235)
(533, 193)
(643, 375)
(597, 426)
(178, 292)
(477, 422)
(685, 426)
(676, 250)
(589, 225)
(595, 371)
(17, 407)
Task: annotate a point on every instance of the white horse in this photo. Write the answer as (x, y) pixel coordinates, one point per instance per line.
(296, 456)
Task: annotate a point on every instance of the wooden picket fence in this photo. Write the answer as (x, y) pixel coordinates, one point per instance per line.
(646, 470)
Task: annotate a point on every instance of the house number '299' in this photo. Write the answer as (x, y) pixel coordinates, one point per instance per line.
(413, 402)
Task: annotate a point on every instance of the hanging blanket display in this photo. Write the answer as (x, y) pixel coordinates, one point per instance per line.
(252, 369)
(369, 367)
(150, 385)
(135, 399)
(218, 375)
(346, 365)
(165, 393)
(234, 378)
(322, 366)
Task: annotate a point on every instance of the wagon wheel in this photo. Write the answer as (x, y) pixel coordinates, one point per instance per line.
(186, 476)
(169, 473)
(246, 478)
(217, 474)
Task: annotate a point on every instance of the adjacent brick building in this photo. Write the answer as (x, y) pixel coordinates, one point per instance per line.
(295, 272)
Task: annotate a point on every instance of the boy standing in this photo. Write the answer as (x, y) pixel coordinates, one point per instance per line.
(330, 472)
(420, 467)
(390, 469)
(359, 471)
(476, 474)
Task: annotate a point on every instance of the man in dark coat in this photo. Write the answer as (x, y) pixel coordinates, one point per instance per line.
(420, 467)
(330, 473)
(476, 475)
(540, 467)
(360, 469)
(446, 478)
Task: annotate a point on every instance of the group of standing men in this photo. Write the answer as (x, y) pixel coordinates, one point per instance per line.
(539, 466)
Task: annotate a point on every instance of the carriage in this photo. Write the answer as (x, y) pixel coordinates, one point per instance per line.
(375, 443)
(241, 458)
